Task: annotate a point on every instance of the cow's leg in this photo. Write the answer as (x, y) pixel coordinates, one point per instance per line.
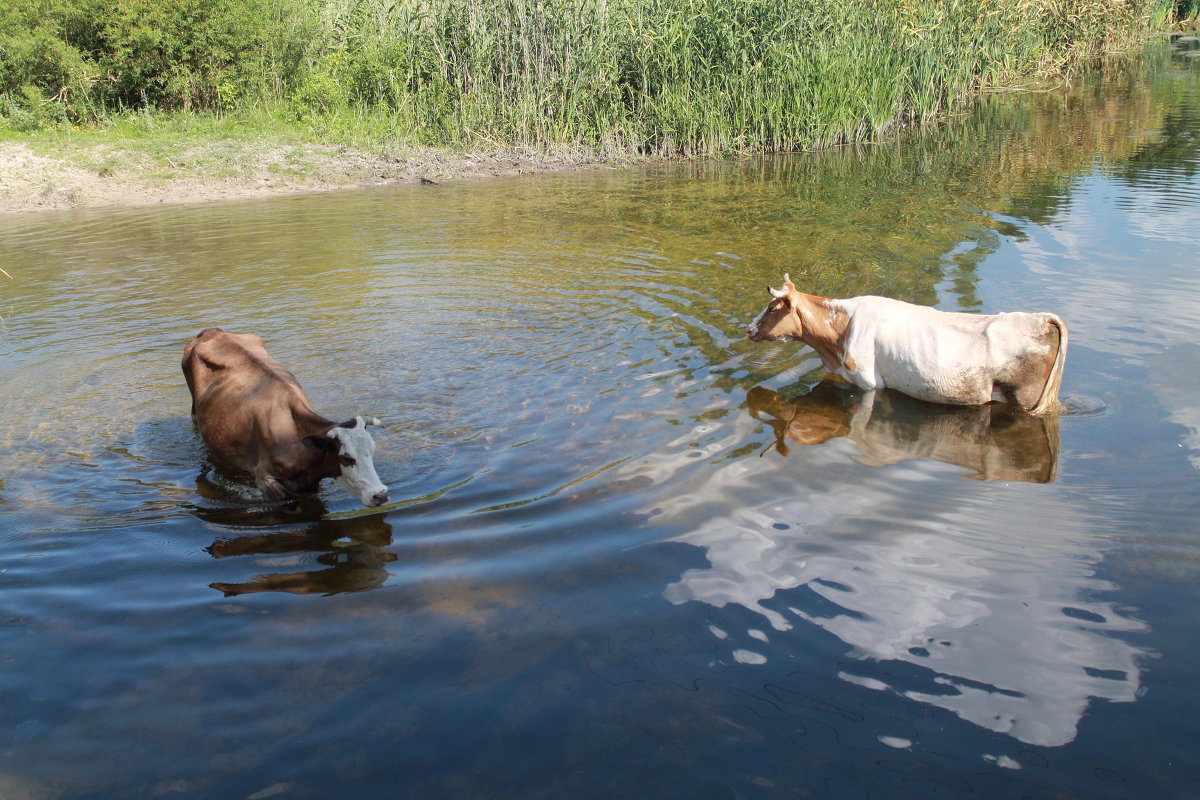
(270, 487)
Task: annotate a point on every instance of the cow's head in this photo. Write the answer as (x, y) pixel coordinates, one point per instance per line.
(780, 320)
(354, 450)
(814, 418)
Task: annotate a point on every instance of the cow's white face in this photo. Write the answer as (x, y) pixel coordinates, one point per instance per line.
(356, 457)
(778, 322)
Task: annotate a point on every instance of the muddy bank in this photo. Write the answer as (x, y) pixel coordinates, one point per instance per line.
(34, 178)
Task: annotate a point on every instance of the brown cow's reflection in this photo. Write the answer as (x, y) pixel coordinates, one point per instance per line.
(996, 442)
(352, 549)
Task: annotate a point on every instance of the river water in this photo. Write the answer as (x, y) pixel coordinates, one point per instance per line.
(629, 553)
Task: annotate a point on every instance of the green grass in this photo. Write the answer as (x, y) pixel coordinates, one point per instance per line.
(656, 77)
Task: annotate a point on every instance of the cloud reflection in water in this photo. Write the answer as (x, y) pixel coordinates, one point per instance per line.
(994, 600)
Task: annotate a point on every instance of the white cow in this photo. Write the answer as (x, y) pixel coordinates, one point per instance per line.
(939, 356)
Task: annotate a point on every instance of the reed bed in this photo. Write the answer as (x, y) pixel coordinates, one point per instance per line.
(656, 77)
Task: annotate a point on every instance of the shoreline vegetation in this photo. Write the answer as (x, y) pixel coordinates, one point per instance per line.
(131, 102)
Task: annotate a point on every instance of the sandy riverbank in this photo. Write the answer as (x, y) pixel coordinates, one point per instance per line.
(40, 179)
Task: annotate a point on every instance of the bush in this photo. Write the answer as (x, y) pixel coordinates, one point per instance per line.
(44, 80)
(88, 55)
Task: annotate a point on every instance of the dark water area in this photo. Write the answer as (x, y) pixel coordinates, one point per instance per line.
(629, 553)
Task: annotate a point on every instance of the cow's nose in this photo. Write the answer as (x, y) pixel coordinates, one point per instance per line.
(379, 498)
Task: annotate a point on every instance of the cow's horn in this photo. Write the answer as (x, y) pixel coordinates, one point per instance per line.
(373, 421)
(777, 292)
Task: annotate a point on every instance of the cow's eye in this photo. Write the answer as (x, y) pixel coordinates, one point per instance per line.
(347, 461)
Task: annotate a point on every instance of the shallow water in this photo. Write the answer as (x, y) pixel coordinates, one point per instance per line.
(608, 568)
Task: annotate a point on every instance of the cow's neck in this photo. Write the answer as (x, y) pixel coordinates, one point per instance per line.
(825, 328)
(310, 467)
(309, 422)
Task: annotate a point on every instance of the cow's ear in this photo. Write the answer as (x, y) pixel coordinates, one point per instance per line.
(322, 443)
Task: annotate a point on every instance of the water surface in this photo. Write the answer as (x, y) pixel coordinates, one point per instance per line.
(630, 553)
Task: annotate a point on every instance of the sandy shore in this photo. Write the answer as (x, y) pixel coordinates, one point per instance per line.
(106, 175)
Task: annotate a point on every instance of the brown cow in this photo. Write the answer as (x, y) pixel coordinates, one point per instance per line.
(939, 356)
(255, 418)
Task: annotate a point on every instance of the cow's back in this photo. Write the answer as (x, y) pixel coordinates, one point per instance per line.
(244, 402)
(953, 357)
(921, 351)
(235, 367)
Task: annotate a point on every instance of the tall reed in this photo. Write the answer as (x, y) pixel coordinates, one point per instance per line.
(674, 77)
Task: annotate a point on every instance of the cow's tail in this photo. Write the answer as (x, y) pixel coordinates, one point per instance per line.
(1048, 401)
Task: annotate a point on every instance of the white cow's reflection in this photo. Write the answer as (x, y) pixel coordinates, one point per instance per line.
(989, 592)
(995, 442)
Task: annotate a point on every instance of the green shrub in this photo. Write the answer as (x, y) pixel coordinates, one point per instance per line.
(44, 79)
